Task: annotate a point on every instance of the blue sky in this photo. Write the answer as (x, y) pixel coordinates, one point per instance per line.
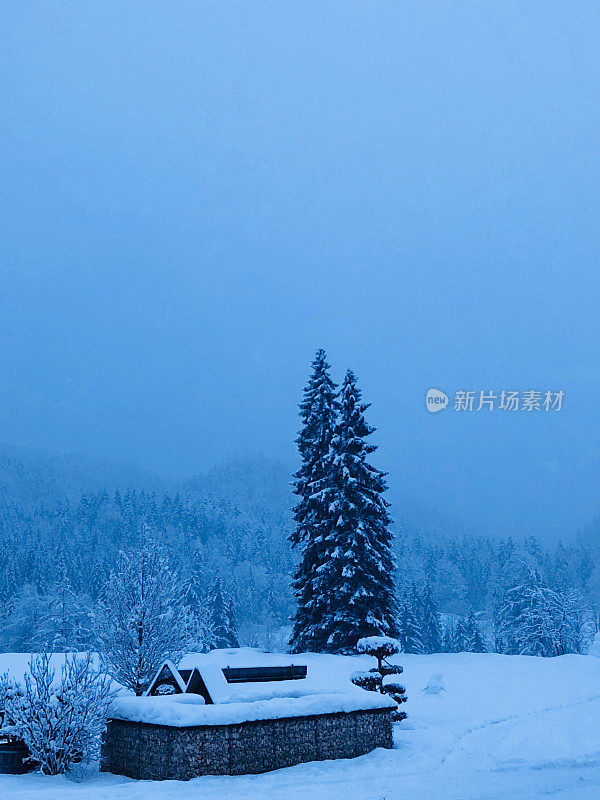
(196, 195)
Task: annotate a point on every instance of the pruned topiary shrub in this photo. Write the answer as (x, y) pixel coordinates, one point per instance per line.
(381, 648)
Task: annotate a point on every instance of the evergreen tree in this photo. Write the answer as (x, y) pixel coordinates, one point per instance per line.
(67, 623)
(409, 623)
(458, 638)
(21, 620)
(42, 569)
(474, 642)
(224, 635)
(10, 584)
(202, 638)
(432, 631)
(232, 619)
(448, 637)
(559, 571)
(318, 415)
(508, 610)
(192, 593)
(357, 578)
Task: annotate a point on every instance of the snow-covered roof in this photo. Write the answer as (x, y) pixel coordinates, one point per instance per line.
(187, 710)
(172, 669)
(211, 666)
(239, 657)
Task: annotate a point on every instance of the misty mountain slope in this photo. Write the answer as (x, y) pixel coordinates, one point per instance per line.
(29, 477)
(257, 483)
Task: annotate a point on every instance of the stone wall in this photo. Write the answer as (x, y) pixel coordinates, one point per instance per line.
(158, 752)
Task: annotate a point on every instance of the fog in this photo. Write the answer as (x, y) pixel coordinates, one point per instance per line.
(194, 198)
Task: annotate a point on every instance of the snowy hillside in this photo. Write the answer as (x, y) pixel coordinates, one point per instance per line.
(479, 726)
(31, 477)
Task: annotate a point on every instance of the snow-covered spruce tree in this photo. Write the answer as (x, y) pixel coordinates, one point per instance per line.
(318, 411)
(22, 618)
(60, 721)
(458, 639)
(560, 613)
(447, 637)
(223, 632)
(66, 624)
(453, 640)
(356, 580)
(231, 618)
(431, 627)
(10, 584)
(140, 620)
(201, 636)
(474, 642)
(410, 628)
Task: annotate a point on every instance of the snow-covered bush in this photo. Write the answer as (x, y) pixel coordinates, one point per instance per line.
(60, 721)
(435, 685)
(381, 647)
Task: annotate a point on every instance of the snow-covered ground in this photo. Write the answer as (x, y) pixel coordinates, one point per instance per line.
(480, 727)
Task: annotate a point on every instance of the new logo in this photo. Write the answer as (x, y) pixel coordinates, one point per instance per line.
(435, 400)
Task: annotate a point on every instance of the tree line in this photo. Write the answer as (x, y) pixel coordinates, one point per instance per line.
(430, 591)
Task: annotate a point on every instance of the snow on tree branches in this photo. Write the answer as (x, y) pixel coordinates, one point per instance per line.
(318, 412)
(141, 621)
(381, 648)
(221, 619)
(534, 619)
(345, 581)
(358, 576)
(60, 722)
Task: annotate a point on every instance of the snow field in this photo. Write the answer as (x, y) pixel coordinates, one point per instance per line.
(480, 727)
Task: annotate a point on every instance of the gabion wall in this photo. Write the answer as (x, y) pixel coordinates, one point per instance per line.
(159, 752)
